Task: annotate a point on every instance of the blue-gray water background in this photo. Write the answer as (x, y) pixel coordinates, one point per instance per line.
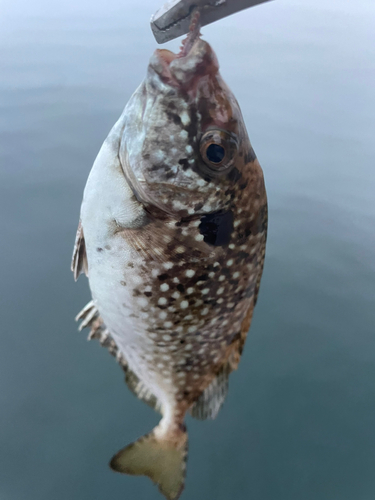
(299, 419)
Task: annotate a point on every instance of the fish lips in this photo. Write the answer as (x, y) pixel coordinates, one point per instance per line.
(183, 70)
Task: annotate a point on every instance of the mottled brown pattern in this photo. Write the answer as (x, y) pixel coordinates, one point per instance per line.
(183, 244)
(200, 297)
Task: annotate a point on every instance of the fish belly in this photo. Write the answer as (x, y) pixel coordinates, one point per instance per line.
(125, 316)
(108, 202)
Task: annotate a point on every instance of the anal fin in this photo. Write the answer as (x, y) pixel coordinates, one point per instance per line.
(90, 318)
(141, 391)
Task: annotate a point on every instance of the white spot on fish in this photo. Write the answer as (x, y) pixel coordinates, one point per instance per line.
(164, 287)
(142, 301)
(137, 280)
(190, 273)
(184, 304)
(168, 265)
(158, 156)
(162, 301)
(185, 118)
(178, 205)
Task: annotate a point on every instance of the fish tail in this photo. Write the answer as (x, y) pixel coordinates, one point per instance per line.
(159, 455)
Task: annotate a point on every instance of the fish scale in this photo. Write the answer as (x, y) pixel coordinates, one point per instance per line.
(172, 238)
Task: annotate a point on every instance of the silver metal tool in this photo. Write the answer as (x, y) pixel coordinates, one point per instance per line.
(173, 19)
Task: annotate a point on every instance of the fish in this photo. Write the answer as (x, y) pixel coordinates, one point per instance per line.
(172, 238)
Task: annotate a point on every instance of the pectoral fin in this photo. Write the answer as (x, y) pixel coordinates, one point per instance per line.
(79, 260)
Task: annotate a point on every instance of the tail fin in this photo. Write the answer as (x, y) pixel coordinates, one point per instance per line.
(161, 459)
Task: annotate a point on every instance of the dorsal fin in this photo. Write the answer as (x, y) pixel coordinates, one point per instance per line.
(79, 260)
(208, 404)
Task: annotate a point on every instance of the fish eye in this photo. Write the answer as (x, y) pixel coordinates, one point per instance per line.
(218, 149)
(215, 153)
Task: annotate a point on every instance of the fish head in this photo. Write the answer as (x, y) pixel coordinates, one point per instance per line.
(184, 135)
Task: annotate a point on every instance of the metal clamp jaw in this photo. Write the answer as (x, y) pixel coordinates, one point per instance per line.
(173, 19)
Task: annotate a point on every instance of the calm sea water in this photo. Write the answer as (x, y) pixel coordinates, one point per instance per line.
(299, 419)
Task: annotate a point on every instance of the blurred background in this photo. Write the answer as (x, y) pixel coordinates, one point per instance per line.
(299, 419)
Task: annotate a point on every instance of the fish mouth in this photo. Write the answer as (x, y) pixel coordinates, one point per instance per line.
(195, 59)
(187, 43)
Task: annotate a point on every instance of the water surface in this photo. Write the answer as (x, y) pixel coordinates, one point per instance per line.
(299, 419)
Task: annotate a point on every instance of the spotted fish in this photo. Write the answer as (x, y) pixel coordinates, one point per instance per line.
(172, 238)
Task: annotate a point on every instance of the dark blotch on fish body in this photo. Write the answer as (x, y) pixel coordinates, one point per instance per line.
(184, 162)
(174, 117)
(216, 228)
